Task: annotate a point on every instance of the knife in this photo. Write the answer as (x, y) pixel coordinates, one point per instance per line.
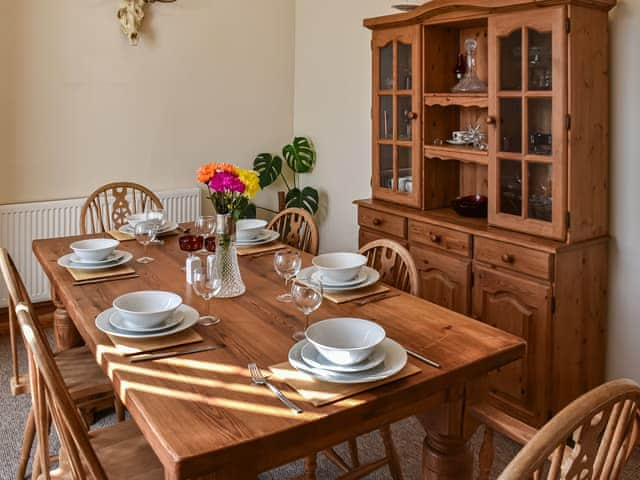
(156, 356)
(377, 298)
(424, 359)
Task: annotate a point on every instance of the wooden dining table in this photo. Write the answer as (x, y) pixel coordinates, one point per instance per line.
(204, 418)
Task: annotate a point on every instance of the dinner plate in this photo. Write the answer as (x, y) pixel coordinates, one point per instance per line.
(65, 261)
(265, 236)
(115, 256)
(120, 323)
(372, 277)
(458, 142)
(314, 359)
(167, 227)
(395, 359)
(190, 318)
(360, 278)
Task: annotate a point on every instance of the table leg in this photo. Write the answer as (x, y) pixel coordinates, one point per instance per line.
(445, 454)
(64, 331)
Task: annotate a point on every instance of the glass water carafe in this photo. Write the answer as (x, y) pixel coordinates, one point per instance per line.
(470, 82)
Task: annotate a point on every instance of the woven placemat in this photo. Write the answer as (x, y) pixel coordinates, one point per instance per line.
(320, 393)
(351, 295)
(81, 275)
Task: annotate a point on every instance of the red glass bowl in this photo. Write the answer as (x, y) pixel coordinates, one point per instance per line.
(471, 206)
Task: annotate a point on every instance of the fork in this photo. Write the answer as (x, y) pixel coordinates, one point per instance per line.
(259, 379)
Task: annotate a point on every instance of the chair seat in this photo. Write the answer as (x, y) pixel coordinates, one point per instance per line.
(81, 373)
(123, 453)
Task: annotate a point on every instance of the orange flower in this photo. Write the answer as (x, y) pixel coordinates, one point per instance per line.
(206, 172)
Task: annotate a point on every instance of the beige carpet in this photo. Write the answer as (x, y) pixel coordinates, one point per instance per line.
(407, 435)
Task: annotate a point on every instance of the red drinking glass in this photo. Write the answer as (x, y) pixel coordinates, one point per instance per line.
(190, 243)
(210, 244)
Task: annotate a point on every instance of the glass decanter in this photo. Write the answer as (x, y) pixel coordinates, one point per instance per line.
(470, 81)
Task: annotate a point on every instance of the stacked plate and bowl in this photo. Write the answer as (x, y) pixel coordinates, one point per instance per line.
(129, 228)
(251, 232)
(94, 254)
(147, 314)
(347, 350)
(340, 272)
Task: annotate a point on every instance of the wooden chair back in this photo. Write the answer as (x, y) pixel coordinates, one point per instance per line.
(395, 264)
(108, 207)
(297, 229)
(51, 399)
(592, 437)
(17, 294)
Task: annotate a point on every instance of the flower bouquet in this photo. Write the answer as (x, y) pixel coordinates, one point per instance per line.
(230, 190)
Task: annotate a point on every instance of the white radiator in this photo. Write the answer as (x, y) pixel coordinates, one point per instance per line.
(23, 222)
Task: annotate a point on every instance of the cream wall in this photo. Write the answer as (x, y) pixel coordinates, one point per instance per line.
(624, 285)
(332, 104)
(209, 81)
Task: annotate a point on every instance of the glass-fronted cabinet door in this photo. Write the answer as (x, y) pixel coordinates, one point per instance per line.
(396, 109)
(528, 115)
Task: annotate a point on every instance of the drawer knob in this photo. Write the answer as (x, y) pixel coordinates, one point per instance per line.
(490, 120)
(507, 258)
(412, 115)
(377, 221)
(435, 238)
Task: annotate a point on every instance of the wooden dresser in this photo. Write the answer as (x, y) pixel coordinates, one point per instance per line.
(537, 266)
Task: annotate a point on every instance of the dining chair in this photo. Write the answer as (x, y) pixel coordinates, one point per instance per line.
(395, 264)
(109, 206)
(297, 228)
(397, 268)
(114, 452)
(592, 437)
(88, 386)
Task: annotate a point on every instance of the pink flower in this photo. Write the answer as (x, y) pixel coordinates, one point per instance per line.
(226, 182)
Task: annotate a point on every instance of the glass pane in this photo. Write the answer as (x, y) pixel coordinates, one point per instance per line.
(386, 117)
(404, 122)
(511, 61)
(386, 166)
(540, 126)
(539, 187)
(540, 71)
(511, 187)
(405, 79)
(386, 67)
(511, 125)
(405, 177)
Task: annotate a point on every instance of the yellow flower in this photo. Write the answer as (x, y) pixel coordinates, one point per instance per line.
(251, 182)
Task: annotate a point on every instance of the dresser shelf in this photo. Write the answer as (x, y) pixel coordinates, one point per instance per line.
(480, 100)
(451, 152)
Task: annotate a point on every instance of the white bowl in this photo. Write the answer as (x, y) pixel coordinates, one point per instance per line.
(95, 249)
(345, 341)
(249, 228)
(149, 308)
(339, 267)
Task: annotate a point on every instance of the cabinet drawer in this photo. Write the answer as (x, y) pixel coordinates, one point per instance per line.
(365, 236)
(384, 222)
(440, 237)
(521, 259)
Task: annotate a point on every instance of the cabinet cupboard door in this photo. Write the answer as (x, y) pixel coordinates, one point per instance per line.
(444, 280)
(528, 141)
(522, 308)
(396, 111)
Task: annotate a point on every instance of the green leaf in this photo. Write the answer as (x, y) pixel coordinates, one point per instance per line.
(249, 211)
(300, 155)
(268, 167)
(244, 209)
(307, 199)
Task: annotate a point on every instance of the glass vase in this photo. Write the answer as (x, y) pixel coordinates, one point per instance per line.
(227, 258)
(470, 82)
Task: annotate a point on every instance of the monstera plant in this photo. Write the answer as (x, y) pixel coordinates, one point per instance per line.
(299, 157)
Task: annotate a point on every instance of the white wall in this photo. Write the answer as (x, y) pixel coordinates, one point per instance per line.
(624, 285)
(209, 81)
(332, 104)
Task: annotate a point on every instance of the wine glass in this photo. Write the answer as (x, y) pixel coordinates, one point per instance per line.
(207, 283)
(205, 226)
(287, 264)
(145, 233)
(156, 216)
(307, 295)
(190, 243)
(210, 244)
